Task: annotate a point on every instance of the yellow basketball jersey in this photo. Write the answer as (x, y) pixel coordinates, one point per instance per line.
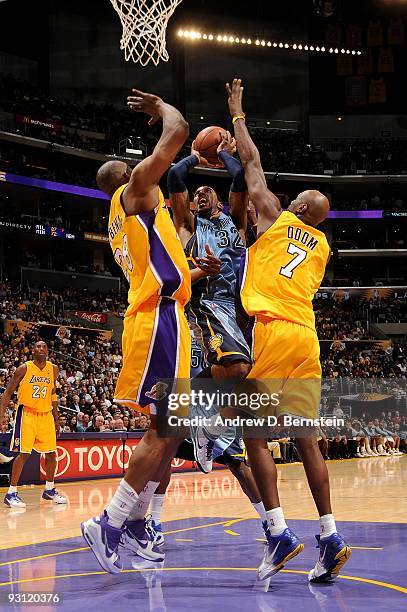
(148, 250)
(284, 269)
(35, 389)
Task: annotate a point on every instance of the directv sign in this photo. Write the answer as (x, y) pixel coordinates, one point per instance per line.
(39, 229)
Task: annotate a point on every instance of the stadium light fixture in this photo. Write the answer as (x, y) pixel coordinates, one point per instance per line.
(196, 35)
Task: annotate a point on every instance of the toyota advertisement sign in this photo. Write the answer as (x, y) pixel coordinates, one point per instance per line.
(92, 458)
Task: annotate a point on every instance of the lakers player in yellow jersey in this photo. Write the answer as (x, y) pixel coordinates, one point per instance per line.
(156, 337)
(36, 423)
(283, 270)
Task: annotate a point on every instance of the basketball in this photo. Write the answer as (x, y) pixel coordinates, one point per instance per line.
(207, 141)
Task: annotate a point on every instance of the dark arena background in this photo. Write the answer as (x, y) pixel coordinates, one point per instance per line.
(325, 97)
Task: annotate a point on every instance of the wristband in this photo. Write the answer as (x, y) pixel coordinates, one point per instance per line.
(54, 397)
(238, 117)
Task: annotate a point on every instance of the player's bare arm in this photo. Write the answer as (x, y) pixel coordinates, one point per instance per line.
(11, 387)
(141, 194)
(238, 196)
(55, 412)
(266, 203)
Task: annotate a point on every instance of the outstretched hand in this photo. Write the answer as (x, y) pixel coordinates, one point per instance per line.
(142, 102)
(210, 264)
(228, 143)
(235, 96)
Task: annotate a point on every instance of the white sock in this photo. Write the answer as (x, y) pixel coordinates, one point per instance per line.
(259, 507)
(49, 485)
(139, 508)
(121, 504)
(12, 489)
(156, 505)
(276, 521)
(327, 525)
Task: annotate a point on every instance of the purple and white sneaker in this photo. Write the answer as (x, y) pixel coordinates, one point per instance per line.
(14, 501)
(135, 539)
(54, 496)
(103, 540)
(154, 530)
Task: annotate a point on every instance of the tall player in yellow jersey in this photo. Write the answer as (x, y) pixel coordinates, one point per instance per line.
(284, 268)
(36, 423)
(156, 338)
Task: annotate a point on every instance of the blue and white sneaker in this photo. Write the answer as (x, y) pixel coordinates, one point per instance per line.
(54, 496)
(333, 554)
(12, 500)
(278, 550)
(154, 531)
(136, 539)
(103, 540)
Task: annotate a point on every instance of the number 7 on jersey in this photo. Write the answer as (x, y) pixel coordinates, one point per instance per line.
(299, 256)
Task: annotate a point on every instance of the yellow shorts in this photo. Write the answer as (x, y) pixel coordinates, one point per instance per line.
(156, 346)
(33, 430)
(286, 361)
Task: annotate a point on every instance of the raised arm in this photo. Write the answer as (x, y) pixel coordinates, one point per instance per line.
(238, 196)
(179, 196)
(266, 203)
(140, 194)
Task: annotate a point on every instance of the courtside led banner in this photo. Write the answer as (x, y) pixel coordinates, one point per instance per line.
(98, 459)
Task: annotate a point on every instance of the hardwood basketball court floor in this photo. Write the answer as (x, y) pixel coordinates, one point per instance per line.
(214, 544)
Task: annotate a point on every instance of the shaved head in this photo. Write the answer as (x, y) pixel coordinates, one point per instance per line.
(112, 175)
(311, 206)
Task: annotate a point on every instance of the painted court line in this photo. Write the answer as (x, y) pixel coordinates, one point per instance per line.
(82, 548)
(387, 585)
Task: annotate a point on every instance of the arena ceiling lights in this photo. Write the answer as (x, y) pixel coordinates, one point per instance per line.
(230, 39)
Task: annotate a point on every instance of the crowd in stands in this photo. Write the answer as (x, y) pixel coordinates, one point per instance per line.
(71, 120)
(46, 305)
(80, 263)
(88, 372)
(342, 319)
(343, 361)
(74, 125)
(384, 435)
(365, 436)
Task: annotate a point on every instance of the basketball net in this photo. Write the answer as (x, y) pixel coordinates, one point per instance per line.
(144, 25)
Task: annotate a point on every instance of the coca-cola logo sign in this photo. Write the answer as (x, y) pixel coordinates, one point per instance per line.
(95, 317)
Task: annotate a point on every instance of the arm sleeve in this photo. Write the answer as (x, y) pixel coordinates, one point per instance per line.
(235, 169)
(179, 172)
